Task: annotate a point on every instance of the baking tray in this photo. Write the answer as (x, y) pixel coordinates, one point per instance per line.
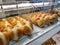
(35, 34)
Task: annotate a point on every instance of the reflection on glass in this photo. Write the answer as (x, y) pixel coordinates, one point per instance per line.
(8, 6)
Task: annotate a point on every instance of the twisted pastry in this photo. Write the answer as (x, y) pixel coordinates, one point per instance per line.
(27, 26)
(41, 18)
(4, 38)
(15, 28)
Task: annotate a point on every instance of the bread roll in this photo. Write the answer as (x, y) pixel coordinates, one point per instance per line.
(4, 38)
(27, 25)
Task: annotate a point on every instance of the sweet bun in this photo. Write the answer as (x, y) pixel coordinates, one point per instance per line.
(4, 38)
(41, 18)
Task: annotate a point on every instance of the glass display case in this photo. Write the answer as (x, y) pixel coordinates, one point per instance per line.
(39, 35)
(15, 8)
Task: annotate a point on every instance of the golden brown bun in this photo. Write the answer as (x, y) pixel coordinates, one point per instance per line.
(4, 24)
(12, 21)
(20, 33)
(4, 39)
(51, 41)
(54, 18)
(7, 37)
(27, 25)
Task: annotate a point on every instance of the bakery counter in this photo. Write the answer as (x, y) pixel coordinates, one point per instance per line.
(39, 35)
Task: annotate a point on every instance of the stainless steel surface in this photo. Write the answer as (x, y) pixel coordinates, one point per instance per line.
(39, 35)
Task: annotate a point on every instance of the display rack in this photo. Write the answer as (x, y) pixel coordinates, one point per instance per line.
(39, 35)
(19, 8)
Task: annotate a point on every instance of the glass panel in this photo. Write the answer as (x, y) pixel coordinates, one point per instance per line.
(8, 6)
(46, 4)
(24, 5)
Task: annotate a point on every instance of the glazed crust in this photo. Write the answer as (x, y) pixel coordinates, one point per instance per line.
(27, 29)
(4, 41)
(41, 18)
(14, 28)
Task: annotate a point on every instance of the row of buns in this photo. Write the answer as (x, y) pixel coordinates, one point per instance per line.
(53, 12)
(13, 28)
(41, 18)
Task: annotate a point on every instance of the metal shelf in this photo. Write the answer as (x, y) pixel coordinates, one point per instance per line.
(39, 35)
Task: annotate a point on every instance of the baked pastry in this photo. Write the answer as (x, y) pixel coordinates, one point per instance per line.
(13, 28)
(53, 18)
(16, 27)
(4, 38)
(53, 12)
(25, 24)
(12, 21)
(51, 41)
(4, 24)
(41, 18)
(14, 32)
